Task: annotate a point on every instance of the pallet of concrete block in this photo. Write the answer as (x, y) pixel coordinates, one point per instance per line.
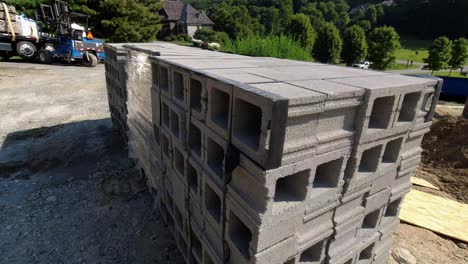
(7, 10)
(116, 83)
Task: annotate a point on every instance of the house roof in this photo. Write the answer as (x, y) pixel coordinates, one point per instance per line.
(177, 10)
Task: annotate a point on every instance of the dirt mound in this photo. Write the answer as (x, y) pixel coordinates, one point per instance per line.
(445, 156)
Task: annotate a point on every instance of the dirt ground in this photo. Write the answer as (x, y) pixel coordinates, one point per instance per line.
(69, 194)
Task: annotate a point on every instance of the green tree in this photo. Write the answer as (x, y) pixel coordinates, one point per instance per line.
(327, 48)
(383, 43)
(439, 54)
(300, 29)
(131, 20)
(459, 54)
(354, 45)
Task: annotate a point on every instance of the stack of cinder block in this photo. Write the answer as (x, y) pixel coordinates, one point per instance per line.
(10, 11)
(116, 81)
(262, 160)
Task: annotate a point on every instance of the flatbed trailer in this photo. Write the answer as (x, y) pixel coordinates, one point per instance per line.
(25, 47)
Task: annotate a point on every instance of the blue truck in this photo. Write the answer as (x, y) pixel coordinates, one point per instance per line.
(58, 39)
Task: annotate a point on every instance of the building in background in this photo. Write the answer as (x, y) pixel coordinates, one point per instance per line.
(182, 18)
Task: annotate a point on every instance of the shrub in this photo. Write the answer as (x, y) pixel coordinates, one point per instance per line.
(300, 29)
(270, 46)
(206, 35)
(167, 38)
(184, 37)
(223, 38)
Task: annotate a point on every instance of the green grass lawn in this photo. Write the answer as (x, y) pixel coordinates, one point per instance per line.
(413, 49)
(399, 66)
(455, 73)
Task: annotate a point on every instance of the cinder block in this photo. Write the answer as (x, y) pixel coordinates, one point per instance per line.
(372, 160)
(174, 120)
(275, 124)
(156, 107)
(370, 223)
(197, 96)
(366, 249)
(249, 237)
(194, 179)
(383, 182)
(377, 200)
(219, 111)
(179, 163)
(336, 125)
(196, 216)
(182, 244)
(166, 148)
(315, 253)
(381, 104)
(214, 161)
(307, 186)
(164, 78)
(196, 249)
(212, 202)
(180, 83)
(196, 139)
(213, 245)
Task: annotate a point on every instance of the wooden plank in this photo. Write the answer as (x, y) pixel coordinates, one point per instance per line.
(437, 214)
(423, 183)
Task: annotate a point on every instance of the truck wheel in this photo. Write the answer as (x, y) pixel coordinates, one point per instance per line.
(91, 62)
(26, 50)
(45, 56)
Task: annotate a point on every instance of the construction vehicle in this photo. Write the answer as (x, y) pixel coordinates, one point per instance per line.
(58, 39)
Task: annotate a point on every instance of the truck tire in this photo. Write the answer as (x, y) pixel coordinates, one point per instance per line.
(92, 62)
(45, 56)
(26, 50)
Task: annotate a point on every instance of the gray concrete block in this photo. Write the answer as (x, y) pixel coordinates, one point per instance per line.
(194, 179)
(213, 245)
(275, 124)
(179, 163)
(366, 249)
(196, 249)
(249, 237)
(370, 223)
(315, 253)
(219, 108)
(307, 186)
(197, 96)
(312, 231)
(377, 200)
(164, 79)
(180, 79)
(279, 253)
(196, 216)
(383, 182)
(174, 119)
(156, 107)
(212, 202)
(182, 244)
(336, 125)
(214, 151)
(166, 148)
(196, 139)
(381, 104)
(371, 160)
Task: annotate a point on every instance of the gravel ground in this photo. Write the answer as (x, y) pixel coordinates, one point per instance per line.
(68, 192)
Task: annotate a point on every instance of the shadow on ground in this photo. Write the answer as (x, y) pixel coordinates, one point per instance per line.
(69, 194)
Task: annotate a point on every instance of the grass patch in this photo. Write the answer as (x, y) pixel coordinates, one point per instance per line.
(271, 46)
(400, 66)
(455, 73)
(413, 49)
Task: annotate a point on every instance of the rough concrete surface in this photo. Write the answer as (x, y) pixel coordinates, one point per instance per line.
(68, 192)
